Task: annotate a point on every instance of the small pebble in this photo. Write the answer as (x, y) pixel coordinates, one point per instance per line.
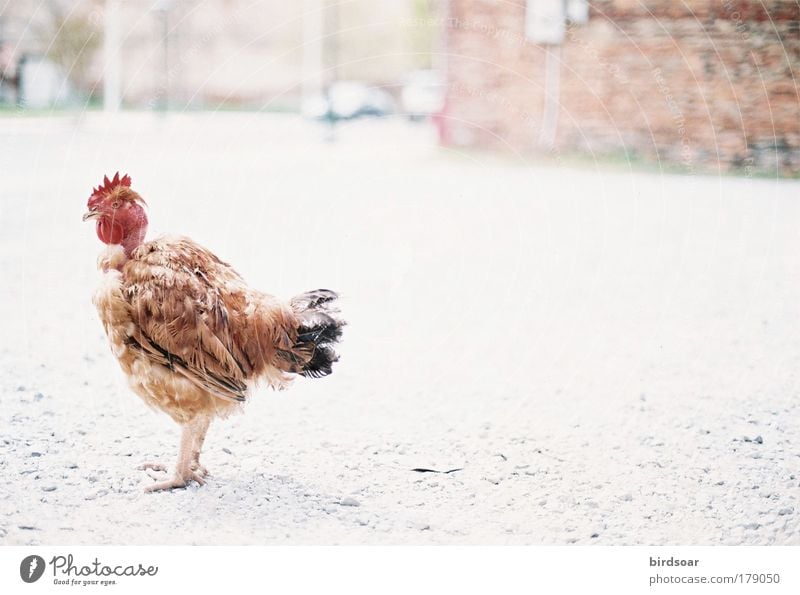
(753, 526)
(226, 450)
(349, 502)
(49, 489)
(36, 454)
(758, 440)
(785, 511)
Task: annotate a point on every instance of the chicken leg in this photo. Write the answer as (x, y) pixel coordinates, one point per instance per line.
(200, 429)
(183, 468)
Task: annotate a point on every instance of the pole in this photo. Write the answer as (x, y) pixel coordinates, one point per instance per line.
(313, 16)
(552, 96)
(111, 57)
(165, 43)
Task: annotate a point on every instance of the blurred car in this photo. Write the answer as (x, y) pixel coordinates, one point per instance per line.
(347, 100)
(423, 94)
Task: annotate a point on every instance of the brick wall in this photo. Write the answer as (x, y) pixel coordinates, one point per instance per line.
(710, 85)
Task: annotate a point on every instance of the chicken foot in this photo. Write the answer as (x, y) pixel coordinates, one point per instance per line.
(184, 471)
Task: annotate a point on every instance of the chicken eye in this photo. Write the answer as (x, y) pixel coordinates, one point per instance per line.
(115, 204)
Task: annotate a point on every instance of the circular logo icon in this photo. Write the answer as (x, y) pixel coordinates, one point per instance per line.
(31, 569)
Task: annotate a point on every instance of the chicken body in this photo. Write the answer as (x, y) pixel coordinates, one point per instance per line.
(193, 338)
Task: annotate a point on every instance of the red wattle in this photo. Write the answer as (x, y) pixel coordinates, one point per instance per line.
(109, 232)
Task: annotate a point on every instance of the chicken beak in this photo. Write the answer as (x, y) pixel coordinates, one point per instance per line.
(90, 215)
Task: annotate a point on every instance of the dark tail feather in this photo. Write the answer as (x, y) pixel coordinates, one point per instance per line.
(319, 331)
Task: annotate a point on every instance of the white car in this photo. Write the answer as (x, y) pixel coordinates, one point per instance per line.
(423, 94)
(346, 100)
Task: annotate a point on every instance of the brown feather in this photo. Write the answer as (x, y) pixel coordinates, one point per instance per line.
(188, 331)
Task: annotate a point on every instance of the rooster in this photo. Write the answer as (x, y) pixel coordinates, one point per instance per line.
(191, 336)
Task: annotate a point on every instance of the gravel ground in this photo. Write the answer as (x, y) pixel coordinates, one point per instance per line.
(604, 356)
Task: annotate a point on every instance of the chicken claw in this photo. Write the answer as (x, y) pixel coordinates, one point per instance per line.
(201, 469)
(175, 483)
(188, 467)
(150, 465)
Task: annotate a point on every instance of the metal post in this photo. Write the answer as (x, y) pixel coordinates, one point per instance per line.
(552, 96)
(313, 16)
(331, 54)
(332, 42)
(162, 9)
(112, 96)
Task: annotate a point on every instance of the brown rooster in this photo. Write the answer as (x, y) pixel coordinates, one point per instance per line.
(189, 333)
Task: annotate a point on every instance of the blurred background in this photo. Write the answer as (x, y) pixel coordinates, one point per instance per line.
(703, 85)
(367, 58)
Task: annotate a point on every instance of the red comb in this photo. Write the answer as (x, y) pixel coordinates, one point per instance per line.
(109, 185)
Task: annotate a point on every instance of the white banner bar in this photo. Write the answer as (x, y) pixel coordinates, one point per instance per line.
(401, 570)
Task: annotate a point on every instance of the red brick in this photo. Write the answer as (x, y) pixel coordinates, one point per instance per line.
(650, 78)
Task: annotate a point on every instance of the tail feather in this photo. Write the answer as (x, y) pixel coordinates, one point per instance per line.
(318, 332)
(317, 299)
